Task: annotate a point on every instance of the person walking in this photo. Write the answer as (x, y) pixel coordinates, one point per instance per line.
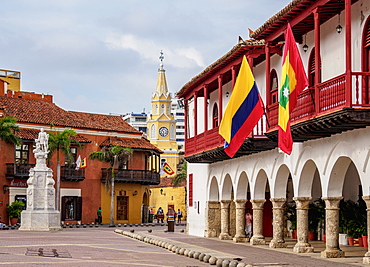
(179, 216)
(100, 218)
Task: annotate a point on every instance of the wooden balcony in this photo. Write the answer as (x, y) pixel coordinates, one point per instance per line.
(331, 107)
(69, 173)
(21, 170)
(208, 147)
(132, 176)
(340, 104)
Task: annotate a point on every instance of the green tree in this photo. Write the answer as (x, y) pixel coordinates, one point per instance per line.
(60, 143)
(8, 128)
(112, 155)
(181, 176)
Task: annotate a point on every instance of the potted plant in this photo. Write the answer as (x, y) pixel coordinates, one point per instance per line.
(291, 215)
(14, 211)
(316, 214)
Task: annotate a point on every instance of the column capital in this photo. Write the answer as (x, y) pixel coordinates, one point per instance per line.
(302, 202)
(367, 201)
(240, 201)
(225, 201)
(332, 203)
(257, 203)
(278, 203)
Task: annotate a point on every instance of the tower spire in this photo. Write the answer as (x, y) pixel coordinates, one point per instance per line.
(161, 82)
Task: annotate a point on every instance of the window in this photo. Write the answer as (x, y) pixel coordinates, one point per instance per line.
(142, 129)
(172, 132)
(215, 116)
(71, 208)
(190, 190)
(122, 208)
(274, 86)
(152, 132)
(21, 154)
(73, 159)
(162, 108)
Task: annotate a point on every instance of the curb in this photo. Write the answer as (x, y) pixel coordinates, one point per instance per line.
(207, 258)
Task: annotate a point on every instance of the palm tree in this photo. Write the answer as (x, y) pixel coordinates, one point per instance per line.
(112, 155)
(7, 129)
(60, 142)
(181, 176)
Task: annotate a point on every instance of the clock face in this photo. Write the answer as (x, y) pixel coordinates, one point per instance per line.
(163, 131)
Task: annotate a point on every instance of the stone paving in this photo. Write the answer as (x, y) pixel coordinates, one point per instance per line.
(104, 246)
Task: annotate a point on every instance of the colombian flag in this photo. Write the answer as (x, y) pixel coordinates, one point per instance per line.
(293, 81)
(242, 112)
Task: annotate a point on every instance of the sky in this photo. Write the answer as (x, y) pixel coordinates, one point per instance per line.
(103, 56)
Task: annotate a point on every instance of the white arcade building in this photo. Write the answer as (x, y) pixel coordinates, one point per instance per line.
(330, 127)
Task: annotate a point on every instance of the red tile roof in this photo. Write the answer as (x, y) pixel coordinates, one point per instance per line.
(33, 134)
(47, 113)
(130, 142)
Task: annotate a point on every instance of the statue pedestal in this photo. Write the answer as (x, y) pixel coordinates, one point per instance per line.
(40, 220)
(40, 214)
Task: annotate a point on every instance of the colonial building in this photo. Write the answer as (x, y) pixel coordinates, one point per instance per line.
(162, 134)
(82, 191)
(330, 128)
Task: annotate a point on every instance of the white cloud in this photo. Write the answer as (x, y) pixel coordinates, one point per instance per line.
(186, 57)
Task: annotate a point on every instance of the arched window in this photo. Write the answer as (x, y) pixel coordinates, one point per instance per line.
(153, 132)
(172, 132)
(215, 116)
(156, 108)
(312, 69)
(162, 108)
(274, 87)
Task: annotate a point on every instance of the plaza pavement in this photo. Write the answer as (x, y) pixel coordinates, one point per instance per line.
(104, 246)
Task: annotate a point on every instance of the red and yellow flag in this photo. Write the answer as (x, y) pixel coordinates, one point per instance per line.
(83, 163)
(167, 169)
(293, 81)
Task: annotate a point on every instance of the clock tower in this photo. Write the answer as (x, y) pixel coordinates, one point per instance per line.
(162, 124)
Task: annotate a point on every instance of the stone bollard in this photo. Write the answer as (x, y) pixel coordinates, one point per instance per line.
(201, 256)
(206, 258)
(212, 260)
(196, 255)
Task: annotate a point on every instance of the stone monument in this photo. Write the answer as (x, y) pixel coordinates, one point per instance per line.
(40, 214)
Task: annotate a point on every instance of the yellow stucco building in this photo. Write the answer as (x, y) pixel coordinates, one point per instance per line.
(162, 133)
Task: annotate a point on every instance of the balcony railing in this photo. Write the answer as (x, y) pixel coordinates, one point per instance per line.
(69, 173)
(333, 95)
(19, 170)
(132, 176)
(211, 139)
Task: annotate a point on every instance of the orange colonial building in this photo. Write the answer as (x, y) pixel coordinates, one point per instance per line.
(82, 191)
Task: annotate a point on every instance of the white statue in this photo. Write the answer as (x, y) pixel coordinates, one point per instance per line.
(42, 141)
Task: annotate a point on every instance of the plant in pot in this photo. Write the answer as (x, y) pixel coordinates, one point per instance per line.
(14, 211)
(291, 215)
(314, 216)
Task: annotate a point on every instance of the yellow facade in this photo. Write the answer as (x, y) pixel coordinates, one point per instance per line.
(13, 78)
(137, 196)
(168, 196)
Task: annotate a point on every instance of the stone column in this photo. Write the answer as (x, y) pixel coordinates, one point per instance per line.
(278, 223)
(224, 235)
(366, 259)
(332, 249)
(213, 219)
(258, 238)
(240, 221)
(302, 246)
